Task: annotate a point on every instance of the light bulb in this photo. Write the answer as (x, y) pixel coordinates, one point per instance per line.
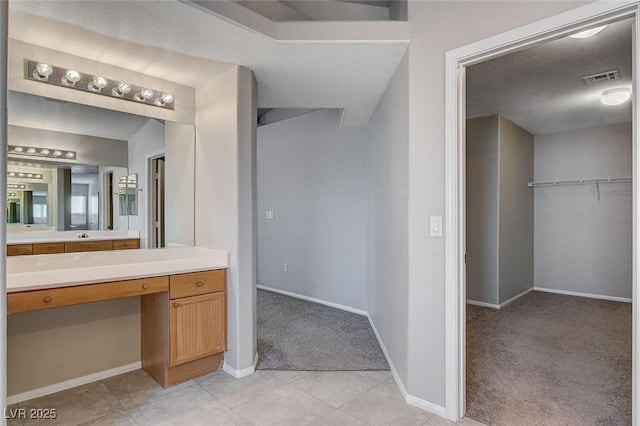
(31, 151)
(57, 153)
(38, 176)
(44, 151)
(144, 94)
(42, 71)
(69, 155)
(165, 99)
(71, 77)
(29, 175)
(18, 149)
(616, 96)
(20, 174)
(121, 90)
(97, 84)
(12, 174)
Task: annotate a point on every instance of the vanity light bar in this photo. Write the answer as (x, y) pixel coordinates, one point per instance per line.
(11, 194)
(74, 79)
(16, 186)
(23, 175)
(41, 152)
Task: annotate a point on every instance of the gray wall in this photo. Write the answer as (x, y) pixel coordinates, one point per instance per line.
(437, 27)
(387, 249)
(225, 192)
(515, 222)
(180, 163)
(582, 244)
(482, 209)
(148, 140)
(313, 175)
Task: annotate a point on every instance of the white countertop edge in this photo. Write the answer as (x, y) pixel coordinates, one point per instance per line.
(68, 240)
(64, 270)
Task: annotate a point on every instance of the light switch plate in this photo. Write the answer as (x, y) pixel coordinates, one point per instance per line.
(269, 214)
(435, 226)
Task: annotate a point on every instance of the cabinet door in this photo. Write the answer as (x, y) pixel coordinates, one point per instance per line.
(198, 327)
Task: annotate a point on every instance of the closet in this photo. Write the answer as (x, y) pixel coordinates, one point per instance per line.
(547, 212)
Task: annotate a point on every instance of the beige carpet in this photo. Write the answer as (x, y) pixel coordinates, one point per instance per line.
(549, 359)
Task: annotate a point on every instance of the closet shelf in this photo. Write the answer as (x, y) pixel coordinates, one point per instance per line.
(581, 181)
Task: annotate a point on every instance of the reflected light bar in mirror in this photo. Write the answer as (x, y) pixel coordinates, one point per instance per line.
(23, 175)
(98, 84)
(16, 186)
(11, 194)
(41, 152)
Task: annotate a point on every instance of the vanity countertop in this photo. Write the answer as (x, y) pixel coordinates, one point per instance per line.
(68, 236)
(62, 270)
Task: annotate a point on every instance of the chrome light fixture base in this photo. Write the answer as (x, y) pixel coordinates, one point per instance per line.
(100, 85)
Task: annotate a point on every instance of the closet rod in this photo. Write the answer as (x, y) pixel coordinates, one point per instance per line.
(581, 181)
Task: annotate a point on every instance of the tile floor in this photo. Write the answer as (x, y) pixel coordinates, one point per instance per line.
(264, 398)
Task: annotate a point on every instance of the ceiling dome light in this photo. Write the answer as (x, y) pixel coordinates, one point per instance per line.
(42, 71)
(588, 33)
(144, 94)
(97, 84)
(121, 90)
(616, 96)
(71, 77)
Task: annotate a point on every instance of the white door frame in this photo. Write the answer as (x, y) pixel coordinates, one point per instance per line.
(455, 63)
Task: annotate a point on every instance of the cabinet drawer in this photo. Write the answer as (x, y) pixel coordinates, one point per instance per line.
(48, 248)
(19, 249)
(88, 246)
(34, 300)
(195, 283)
(133, 243)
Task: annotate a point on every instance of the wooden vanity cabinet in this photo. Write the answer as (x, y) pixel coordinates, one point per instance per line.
(19, 249)
(184, 332)
(72, 246)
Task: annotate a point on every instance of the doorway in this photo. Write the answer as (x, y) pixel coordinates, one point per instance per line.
(156, 219)
(457, 62)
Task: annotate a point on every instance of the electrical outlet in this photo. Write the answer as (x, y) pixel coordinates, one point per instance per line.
(269, 214)
(285, 267)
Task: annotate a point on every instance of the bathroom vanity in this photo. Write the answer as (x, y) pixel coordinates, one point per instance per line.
(21, 244)
(183, 300)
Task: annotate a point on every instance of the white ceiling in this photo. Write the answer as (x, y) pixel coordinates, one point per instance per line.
(39, 113)
(541, 88)
(343, 74)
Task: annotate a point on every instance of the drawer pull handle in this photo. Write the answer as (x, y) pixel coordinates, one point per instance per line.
(199, 283)
(47, 299)
(175, 305)
(145, 286)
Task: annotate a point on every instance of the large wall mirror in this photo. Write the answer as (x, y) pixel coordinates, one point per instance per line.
(74, 167)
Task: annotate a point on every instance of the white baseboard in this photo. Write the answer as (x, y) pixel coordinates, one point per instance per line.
(240, 373)
(502, 305)
(409, 399)
(314, 300)
(579, 294)
(482, 304)
(517, 296)
(68, 384)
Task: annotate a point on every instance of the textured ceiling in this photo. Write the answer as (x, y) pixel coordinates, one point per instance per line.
(33, 111)
(541, 88)
(289, 74)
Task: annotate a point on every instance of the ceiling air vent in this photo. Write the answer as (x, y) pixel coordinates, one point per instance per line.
(590, 80)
